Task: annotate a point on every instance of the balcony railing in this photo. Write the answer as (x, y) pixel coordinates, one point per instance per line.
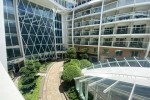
(127, 30)
(88, 22)
(84, 42)
(77, 42)
(127, 16)
(88, 12)
(121, 3)
(120, 44)
(64, 3)
(106, 43)
(93, 42)
(69, 17)
(94, 32)
(84, 33)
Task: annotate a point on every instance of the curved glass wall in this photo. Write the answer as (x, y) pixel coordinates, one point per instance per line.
(12, 44)
(37, 30)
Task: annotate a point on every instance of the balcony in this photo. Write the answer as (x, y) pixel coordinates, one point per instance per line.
(136, 44)
(85, 33)
(88, 12)
(120, 44)
(69, 34)
(86, 23)
(69, 17)
(94, 32)
(69, 42)
(93, 42)
(84, 43)
(107, 43)
(77, 34)
(127, 16)
(117, 4)
(69, 26)
(77, 42)
(124, 30)
(107, 32)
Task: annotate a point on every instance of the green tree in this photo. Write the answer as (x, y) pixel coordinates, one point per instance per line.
(71, 53)
(28, 74)
(71, 72)
(84, 63)
(84, 54)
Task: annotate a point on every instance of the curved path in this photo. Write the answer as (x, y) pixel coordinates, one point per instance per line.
(51, 88)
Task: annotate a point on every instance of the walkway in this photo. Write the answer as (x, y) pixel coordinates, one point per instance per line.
(52, 82)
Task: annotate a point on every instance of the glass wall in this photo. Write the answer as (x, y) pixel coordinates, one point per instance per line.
(12, 41)
(13, 49)
(37, 30)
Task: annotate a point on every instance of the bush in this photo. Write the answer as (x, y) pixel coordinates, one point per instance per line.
(85, 63)
(76, 61)
(70, 72)
(72, 63)
(71, 53)
(72, 94)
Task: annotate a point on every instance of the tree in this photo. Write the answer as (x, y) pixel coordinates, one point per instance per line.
(84, 63)
(28, 74)
(71, 72)
(84, 54)
(71, 53)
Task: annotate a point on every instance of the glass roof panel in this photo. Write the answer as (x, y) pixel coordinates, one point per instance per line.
(142, 92)
(108, 82)
(123, 86)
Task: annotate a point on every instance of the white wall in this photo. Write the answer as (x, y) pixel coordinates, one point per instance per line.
(3, 55)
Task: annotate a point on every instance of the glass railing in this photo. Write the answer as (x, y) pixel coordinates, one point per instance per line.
(94, 32)
(106, 43)
(88, 12)
(64, 3)
(120, 44)
(93, 42)
(123, 3)
(85, 33)
(127, 30)
(86, 23)
(77, 42)
(84, 42)
(69, 17)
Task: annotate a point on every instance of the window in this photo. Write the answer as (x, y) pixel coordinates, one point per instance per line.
(119, 52)
(95, 50)
(134, 54)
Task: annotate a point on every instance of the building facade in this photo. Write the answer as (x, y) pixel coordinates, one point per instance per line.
(35, 29)
(110, 28)
(32, 30)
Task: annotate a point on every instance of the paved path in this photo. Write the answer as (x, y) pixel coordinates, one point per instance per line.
(52, 82)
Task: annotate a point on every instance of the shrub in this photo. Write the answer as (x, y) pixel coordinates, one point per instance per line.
(72, 94)
(85, 63)
(71, 72)
(84, 54)
(71, 53)
(76, 61)
(71, 63)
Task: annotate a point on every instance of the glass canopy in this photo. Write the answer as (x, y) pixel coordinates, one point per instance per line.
(102, 88)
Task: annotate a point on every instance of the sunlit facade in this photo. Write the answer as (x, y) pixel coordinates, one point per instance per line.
(120, 26)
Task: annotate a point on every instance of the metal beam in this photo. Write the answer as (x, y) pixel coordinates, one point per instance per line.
(108, 63)
(138, 62)
(107, 89)
(130, 97)
(117, 62)
(127, 62)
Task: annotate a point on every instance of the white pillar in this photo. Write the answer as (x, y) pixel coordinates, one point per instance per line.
(3, 55)
(100, 28)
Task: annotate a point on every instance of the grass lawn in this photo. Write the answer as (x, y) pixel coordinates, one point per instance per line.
(35, 94)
